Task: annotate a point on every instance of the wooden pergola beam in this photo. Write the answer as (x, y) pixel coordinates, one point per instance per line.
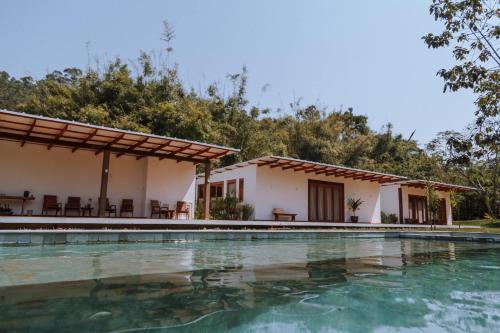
(155, 149)
(278, 164)
(265, 163)
(198, 153)
(314, 169)
(108, 145)
(180, 149)
(32, 126)
(58, 136)
(87, 139)
(89, 146)
(337, 173)
(292, 166)
(132, 148)
(305, 168)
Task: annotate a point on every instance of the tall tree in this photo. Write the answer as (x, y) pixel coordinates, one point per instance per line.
(471, 29)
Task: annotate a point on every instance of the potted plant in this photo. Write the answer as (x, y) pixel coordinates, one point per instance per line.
(354, 205)
(5, 210)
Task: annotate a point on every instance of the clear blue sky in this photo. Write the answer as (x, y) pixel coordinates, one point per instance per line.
(362, 54)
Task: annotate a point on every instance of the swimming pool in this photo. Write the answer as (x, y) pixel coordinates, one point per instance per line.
(296, 285)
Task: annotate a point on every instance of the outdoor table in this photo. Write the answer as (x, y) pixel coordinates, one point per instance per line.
(87, 209)
(17, 198)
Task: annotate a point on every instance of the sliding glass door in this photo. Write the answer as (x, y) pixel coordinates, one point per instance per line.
(326, 201)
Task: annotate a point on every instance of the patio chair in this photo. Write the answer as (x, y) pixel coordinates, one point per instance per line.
(73, 204)
(127, 206)
(110, 209)
(50, 204)
(182, 208)
(156, 209)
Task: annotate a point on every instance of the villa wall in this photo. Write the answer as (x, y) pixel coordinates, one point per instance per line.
(267, 188)
(60, 172)
(389, 201)
(287, 189)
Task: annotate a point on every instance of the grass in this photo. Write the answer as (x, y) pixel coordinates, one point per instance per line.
(492, 226)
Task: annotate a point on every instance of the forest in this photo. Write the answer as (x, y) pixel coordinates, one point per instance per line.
(147, 95)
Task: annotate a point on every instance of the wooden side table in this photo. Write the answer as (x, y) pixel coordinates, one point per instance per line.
(17, 198)
(88, 210)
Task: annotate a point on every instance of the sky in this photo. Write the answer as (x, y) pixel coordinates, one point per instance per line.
(367, 55)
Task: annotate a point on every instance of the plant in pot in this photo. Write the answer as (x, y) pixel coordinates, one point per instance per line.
(354, 205)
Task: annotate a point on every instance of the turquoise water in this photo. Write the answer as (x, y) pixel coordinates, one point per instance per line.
(324, 285)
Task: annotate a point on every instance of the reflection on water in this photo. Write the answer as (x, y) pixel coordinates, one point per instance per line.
(339, 285)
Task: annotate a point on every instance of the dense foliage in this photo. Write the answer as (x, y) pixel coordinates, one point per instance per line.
(150, 97)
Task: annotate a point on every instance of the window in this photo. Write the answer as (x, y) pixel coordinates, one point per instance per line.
(241, 189)
(216, 190)
(231, 188)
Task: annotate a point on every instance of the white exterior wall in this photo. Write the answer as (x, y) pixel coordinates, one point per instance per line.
(390, 200)
(287, 189)
(169, 182)
(59, 172)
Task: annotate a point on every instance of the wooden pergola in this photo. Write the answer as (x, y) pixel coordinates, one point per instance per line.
(420, 183)
(296, 165)
(52, 132)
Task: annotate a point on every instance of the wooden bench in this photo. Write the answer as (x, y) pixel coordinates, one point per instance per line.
(278, 212)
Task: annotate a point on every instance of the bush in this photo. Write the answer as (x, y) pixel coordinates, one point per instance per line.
(229, 208)
(246, 212)
(389, 218)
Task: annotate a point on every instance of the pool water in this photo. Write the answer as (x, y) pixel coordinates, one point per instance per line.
(323, 285)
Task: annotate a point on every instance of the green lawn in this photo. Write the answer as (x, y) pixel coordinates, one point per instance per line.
(486, 225)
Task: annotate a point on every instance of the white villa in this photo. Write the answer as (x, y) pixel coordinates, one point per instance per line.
(57, 167)
(311, 191)
(407, 200)
(74, 164)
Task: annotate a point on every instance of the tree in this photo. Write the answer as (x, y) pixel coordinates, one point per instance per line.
(471, 28)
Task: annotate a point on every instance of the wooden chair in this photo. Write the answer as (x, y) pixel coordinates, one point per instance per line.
(156, 209)
(72, 204)
(110, 209)
(50, 204)
(182, 208)
(127, 206)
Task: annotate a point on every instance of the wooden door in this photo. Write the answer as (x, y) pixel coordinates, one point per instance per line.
(418, 209)
(326, 201)
(442, 218)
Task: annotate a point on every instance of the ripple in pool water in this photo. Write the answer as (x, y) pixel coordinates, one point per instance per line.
(324, 285)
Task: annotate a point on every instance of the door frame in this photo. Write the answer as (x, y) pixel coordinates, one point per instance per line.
(341, 198)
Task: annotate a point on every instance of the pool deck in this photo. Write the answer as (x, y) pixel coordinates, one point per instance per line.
(38, 222)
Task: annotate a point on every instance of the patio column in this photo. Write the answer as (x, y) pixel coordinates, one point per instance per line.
(104, 183)
(206, 197)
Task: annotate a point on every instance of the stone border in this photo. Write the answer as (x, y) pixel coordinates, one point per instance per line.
(52, 237)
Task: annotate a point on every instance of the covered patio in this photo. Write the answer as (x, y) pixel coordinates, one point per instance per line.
(60, 167)
(407, 201)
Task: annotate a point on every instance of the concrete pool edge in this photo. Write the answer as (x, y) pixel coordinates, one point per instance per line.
(53, 237)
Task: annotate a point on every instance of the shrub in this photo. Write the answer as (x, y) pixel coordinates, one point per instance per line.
(389, 218)
(230, 208)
